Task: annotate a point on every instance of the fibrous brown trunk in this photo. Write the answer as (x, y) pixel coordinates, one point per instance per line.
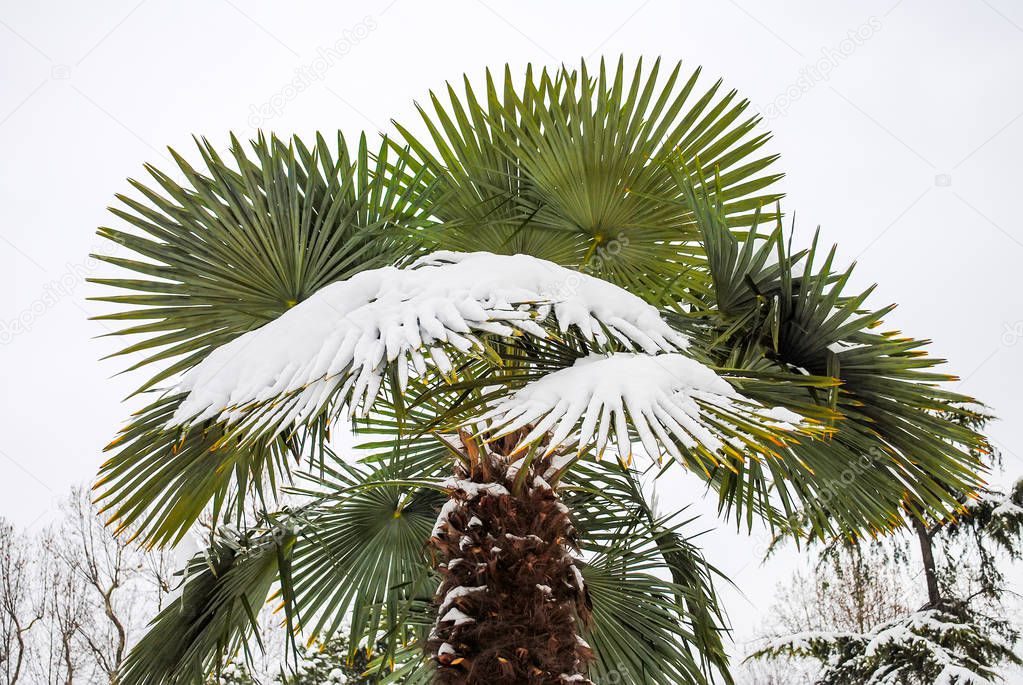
(512, 594)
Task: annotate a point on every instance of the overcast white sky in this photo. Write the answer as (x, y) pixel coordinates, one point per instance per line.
(902, 143)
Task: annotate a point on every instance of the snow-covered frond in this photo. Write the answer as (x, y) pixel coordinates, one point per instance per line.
(671, 401)
(337, 344)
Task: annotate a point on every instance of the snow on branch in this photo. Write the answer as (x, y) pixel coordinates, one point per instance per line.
(668, 399)
(939, 646)
(341, 340)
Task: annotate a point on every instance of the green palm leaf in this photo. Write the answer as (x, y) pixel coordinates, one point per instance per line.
(361, 555)
(220, 255)
(221, 594)
(239, 245)
(566, 165)
(785, 321)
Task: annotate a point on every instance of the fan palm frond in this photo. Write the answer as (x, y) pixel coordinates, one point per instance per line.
(227, 251)
(617, 525)
(238, 245)
(353, 552)
(782, 319)
(566, 166)
(360, 556)
(221, 594)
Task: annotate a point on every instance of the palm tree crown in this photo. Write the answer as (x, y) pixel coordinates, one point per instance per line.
(568, 262)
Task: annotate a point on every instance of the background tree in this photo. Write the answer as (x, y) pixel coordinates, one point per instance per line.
(73, 597)
(851, 589)
(119, 582)
(66, 611)
(963, 629)
(20, 602)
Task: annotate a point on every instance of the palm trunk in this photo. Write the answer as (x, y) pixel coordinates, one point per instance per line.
(512, 594)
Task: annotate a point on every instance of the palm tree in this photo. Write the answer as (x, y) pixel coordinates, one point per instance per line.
(571, 263)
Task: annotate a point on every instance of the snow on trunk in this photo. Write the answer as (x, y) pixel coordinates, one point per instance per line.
(511, 590)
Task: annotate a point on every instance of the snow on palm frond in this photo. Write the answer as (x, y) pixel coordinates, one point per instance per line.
(669, 399)
(339, 342)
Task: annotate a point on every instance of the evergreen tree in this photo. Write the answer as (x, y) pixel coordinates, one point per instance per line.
(962, 632)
